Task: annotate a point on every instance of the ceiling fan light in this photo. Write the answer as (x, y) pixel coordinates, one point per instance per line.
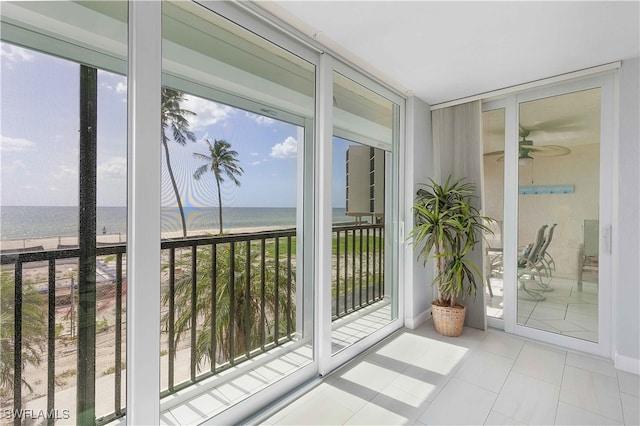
(524, 161)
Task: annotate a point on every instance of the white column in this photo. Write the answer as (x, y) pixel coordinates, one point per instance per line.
(324, 154)
(143, 231)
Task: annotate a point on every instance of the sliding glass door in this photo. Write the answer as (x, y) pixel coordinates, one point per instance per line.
(63, 216)
(558, 211)
(493, 137)
(237, 119)
(549, 272)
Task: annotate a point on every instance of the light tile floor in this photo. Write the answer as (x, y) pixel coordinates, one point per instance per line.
(194, 405)
(347, 330)
(565, 310)
(419, 377)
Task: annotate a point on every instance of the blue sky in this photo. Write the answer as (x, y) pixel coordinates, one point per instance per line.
(39, 142)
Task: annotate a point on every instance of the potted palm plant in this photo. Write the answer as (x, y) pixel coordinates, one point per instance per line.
(449, 226)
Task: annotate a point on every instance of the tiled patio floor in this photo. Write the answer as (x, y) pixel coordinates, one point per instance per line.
(420, 377)
(565, 310)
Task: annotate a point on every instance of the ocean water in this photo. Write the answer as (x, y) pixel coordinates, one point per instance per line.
(45, 221)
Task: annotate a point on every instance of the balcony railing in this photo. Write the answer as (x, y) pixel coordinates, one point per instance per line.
(225, 299)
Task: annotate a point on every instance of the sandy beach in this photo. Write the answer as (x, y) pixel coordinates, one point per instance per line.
(58, 242)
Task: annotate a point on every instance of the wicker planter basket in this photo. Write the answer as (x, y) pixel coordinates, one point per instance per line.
(447, 320)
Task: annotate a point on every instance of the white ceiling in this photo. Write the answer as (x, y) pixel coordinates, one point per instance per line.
(443, 51)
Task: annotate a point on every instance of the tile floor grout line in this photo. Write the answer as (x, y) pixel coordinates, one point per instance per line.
(503, 383)
(624, 420)
(564, 368)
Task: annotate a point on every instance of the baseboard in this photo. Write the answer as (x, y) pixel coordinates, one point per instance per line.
(415, 322)
(628, 364)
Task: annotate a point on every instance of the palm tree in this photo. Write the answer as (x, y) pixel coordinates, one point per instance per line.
(174, 120)
(221, 161)
(244, 318)
(34, 331)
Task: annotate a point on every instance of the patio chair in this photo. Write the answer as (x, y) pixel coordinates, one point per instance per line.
(541, 261)
(529, 271)
(546, 257)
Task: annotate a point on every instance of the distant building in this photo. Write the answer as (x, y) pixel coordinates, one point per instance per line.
(365, 183)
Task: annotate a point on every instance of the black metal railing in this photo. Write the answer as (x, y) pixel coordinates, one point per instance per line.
(225, 299)
(29, 344)
(232, 297)
(358, 267)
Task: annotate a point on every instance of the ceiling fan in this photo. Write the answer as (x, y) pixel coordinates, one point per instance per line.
(527, 151)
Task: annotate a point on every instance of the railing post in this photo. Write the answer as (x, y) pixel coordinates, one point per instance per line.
(86, 389)
(194, 310)
(380, 262)
(337, 314)
(368, 283)
(360, 268)
(118, 355)
(51, 341)
(289, 286)
(263, 301)
(214, 298)
(353, 269)
(276, 331)
(375, 260)
(172, 316)
(232, 302)
(247, 300)
(17, 342)
(346, 269)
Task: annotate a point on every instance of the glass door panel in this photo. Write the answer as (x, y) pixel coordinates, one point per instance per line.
(493, 128)
(558, 211)
(63, 216)
(237, 115)
(363, 290)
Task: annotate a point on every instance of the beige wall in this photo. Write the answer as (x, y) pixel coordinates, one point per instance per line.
(581, 169)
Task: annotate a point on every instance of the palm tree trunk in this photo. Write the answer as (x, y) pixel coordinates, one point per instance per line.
(438, 270)
(175, 188)
(219, 203)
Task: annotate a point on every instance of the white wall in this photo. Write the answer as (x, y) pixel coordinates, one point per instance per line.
(627, 281)
(419, 167)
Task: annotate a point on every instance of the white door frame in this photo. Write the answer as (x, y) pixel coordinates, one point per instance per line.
(607, 209)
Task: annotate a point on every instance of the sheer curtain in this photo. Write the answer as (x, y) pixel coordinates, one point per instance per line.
(457, 144)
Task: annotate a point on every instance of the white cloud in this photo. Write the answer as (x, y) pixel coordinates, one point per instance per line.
(207, 112)
(260, 119)
(115, 168)
(106, 86)
(255, 163)
(254, 154)
(8, 144)
(286, 149)
(121, 87)
(65, 172)
(15, 166)
(15, 53)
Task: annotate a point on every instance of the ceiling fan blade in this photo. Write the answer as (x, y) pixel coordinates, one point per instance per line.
(548, 151)
(560, 125)
(494, 153)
